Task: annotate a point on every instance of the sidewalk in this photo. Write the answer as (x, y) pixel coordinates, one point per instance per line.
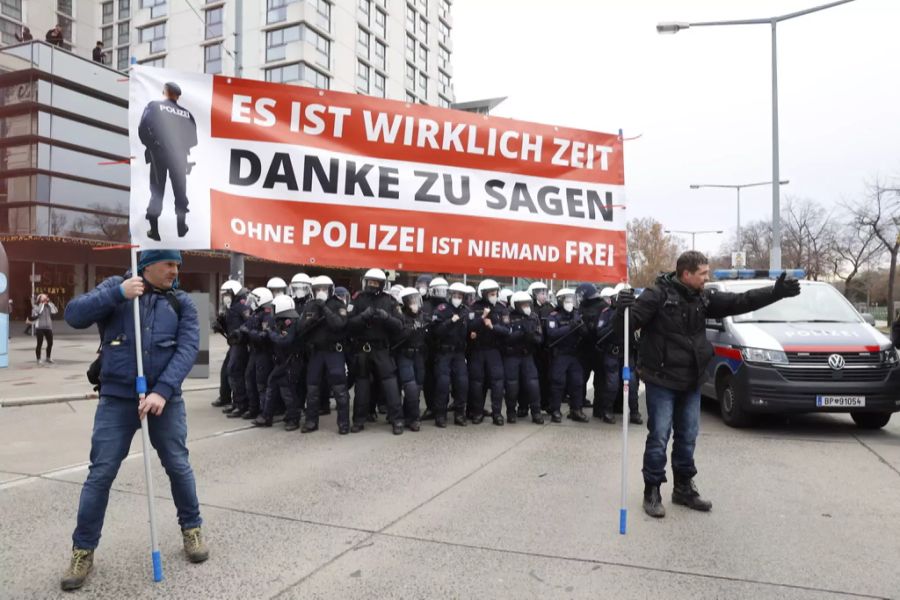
(26, 382)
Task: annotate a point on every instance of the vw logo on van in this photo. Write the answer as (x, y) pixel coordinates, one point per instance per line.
(836, 362)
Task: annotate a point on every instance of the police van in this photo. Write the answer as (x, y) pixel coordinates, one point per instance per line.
(811, 353)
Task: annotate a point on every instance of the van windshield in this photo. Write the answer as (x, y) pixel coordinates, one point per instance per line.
(815, 304)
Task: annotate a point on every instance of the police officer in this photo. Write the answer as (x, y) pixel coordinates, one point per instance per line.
(449, 331)
(168, 132)
(471, 295)
(323, 326)
(238, 313)
(277, 286)
(300, 291)
(410, 353)
(593, 348)
(542, 307)
(505, 295)
(374, 319)
(283, 334)
(422, 286)
(564, 328)
(525, 336)
(488, 328)
(259, 363)
(226, 296)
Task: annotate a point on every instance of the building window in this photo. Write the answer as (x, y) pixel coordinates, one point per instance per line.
(277, 10)
(122, 59)
(214, 22)
(423, 28)
(410, 48)
(423, 85)
(378, 85)
(323, 14)
(444, 9)
(12, 8)
(411, 98)
(277, 41)
(423, 6)
(362, 43)
(157, 8)
(108, 12)
(410, 19)
(300, 73)
(443, 102)
(380, 59)
(365, 9)
(423, 57)
(66, 24)
(443, 58)
(410, 76)
(64, 7)
(445, 83)
(124, 33)
(362, 77)
(380, 23)
(124, 9)
(156, 36)
(212, 59)
(444, 33)
(322, 44)
(106, 36)
(9, 31)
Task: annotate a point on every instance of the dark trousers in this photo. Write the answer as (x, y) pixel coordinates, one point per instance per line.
(224, 385)
(430, 382)
(376, 368)
(250, 387)
(522, 384)
(328, 369)
(450, 368)
(566, 377)
(263, 367)
(237, 365)
(411, 372)
(485, 372)
(41, 335)
(161, 166)
(280, 386)
(670, 410)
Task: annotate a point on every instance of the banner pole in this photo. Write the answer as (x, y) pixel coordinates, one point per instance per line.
(626, 385)
(141, 387)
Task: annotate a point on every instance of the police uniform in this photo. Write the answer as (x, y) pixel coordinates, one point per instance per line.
(522, 385)
(542, 357)
(564, 330)
(224, 398)
(283, 336)
(168, 131)
(450, 361)
(259, 365)
(485, 362)
(373, 319)
(410, 355)
(323, 326)
(596, 350)
(237, 315)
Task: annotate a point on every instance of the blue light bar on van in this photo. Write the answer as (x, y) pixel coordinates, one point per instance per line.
(757, 273)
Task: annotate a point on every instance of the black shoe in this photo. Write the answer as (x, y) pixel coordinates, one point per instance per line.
(498, 420)
(415, 426)
(537, 419)
(262, 421)
(556, 416)
(342, 430)
(440, 422)
(153, 232)
(511, 417)
(398, 428)
(309, 427)
(357, 427)
(373, 418)
(250, 414)
(291, 425)
(182, 226)
(522, 412)
(578, 416)
(686, 494)
(229, 408)
(382, 410)
(653, 505)
(459, 420)
(635, 418)
(477, 420)
(587, 404)
(218, 402)
(237, 414)
(427, 415)
(608, 418)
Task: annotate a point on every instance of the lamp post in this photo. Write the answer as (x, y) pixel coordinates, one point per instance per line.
(675, 27)
(693, 233)
(737, 188)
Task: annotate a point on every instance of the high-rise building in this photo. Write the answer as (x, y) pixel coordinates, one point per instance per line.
(398, 49)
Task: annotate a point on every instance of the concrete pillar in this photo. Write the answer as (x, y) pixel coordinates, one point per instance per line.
(91, 281)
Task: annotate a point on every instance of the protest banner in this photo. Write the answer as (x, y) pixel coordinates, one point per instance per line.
(308, 176)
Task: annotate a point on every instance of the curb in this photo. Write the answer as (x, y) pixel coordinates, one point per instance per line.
(36, 400)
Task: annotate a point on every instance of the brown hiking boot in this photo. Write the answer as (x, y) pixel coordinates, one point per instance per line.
(82, 562)
(194, 547)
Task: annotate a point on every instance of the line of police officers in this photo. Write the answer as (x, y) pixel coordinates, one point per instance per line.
(294, 347)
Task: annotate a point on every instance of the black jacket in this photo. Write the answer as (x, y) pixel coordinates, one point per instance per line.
(525, 335)
(895, 333)
(323, 324)
(449, 335)
(488, 337)
(168, 130)
(415, 329)
(374, 318)
(672, 318)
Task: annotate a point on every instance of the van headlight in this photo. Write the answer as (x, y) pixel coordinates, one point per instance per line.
(890, 356)
(761, 355)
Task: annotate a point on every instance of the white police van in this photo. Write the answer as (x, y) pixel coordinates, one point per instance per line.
(811, 353)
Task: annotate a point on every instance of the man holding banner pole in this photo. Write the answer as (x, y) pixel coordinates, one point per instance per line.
(168, 331)
(672, 315)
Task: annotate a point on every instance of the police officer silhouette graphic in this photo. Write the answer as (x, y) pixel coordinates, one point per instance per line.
(168, 131)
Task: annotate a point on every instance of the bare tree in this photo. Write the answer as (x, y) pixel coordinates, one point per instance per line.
(808, 238)
(855, 248)
(881, 214)
(756, 238)
(650, 251)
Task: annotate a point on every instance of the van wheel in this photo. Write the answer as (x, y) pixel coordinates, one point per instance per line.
(868, 420)
(733, 413)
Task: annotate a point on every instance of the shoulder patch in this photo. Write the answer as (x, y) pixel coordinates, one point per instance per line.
(551, 324)
(441, 306)
(349, 308)
(471, 316)
(342, 311)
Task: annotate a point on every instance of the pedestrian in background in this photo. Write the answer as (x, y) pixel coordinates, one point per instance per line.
(42, 321)
(54, 37)
(26, 35)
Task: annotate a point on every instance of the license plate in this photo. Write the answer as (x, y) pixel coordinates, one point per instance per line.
(840, 401)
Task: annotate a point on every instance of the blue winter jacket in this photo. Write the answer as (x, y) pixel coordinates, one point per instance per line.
(170, 344)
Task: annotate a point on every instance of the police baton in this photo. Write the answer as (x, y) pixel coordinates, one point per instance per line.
(626, 383)
(571, 331)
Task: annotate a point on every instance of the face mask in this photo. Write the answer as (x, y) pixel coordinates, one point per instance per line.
(423, 290)
(526, 310)
(226, 302)
(456, 302)
(568, 305)
(322, 295)
(492, 298)
(414, 309)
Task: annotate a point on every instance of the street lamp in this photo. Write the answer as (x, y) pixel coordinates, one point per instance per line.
(737, 188)
(675, 27)
(693, 233)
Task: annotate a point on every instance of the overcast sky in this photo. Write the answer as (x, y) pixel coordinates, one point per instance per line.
(701, 99)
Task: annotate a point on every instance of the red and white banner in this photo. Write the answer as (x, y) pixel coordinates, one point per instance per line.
(301, 175)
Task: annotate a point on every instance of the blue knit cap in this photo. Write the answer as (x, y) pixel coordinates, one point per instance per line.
(149, 257)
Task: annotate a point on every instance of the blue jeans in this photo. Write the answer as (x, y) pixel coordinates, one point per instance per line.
(668, 409)
(115, 423)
